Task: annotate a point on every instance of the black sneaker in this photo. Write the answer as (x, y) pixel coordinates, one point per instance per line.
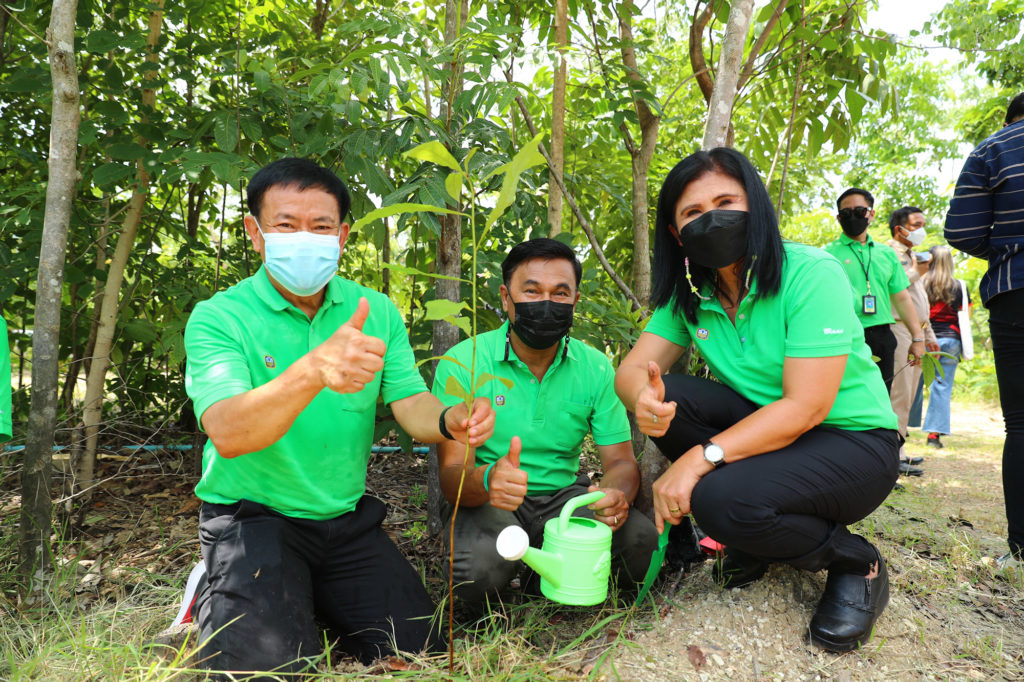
(933, 441)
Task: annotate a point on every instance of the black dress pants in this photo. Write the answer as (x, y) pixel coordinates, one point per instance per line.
(272, 577)
(791, 505)
(1006, 323)
(882, 343)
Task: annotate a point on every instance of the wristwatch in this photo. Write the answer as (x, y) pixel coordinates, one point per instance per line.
(713, 454)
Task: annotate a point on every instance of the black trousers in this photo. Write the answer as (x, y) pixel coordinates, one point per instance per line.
(791, 505)
(882, 343)
(1006, 324)
(272, 577)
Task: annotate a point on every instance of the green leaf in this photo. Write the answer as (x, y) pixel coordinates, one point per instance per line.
(453, 183)
(434, 152)
(101, 41)
(453, 388)
(225, 131)
(404, 270)
(526, 158)
(126, 151)
(486, 377)
(109, 173)
(140, 330)
(443, 309)
(394, 209)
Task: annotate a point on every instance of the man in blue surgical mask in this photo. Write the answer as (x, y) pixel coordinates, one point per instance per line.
(906, 225)
(285, 369)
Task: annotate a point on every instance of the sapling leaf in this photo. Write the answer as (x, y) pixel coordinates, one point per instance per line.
(453, 183)
(434, 152)
(443, 309)
(453, 388)
(393, 209)
(486, 377)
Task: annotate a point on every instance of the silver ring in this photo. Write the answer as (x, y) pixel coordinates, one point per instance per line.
(654, 418)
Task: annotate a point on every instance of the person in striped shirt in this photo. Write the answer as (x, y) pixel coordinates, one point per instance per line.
(986, 220)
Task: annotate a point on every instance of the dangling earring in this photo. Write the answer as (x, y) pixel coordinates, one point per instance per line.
(750, 271)
(693, 289)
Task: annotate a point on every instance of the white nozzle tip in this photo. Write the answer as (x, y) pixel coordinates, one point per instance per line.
(512, 543)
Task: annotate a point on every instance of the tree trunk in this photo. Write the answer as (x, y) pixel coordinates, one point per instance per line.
(558, 117)
(92, 411)
(716, 131)
(449, 244)
(641, 161)
(35, 560)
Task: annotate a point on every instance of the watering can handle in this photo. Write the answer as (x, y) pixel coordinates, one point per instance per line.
(574, 504)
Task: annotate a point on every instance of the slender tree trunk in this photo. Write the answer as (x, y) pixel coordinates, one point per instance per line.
(716, 131)
(558, 116)
(35, 559)
(449, 244)
(640, 156)
(94, 386)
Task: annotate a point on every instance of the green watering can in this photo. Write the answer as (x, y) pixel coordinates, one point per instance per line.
(575, 563)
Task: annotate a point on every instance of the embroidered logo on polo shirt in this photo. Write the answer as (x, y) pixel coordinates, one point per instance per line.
(829, 330)
(268, 360)
(499, 400)
(702, 333)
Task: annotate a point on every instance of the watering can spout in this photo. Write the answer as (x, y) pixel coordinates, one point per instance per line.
(514, 544)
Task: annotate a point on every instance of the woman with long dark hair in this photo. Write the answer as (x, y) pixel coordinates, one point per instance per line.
(798, 439)
(946, 298)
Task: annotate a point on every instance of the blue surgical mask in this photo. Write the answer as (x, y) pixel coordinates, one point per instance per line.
(301, 261)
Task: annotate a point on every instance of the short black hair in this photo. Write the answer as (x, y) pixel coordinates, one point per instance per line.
(764, 256)
(1016, 109)
(301, 174)
(900, 217)
(855, 190)
(544, 248)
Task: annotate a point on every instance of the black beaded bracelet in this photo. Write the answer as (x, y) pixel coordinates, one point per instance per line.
(442, 427)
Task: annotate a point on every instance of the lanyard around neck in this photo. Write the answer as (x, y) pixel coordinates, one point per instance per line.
(865, 268)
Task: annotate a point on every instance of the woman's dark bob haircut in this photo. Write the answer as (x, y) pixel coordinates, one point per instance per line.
(763, 237)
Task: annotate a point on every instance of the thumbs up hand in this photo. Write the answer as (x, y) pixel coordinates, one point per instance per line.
(349, 359)
(507, 482)
(653, 415)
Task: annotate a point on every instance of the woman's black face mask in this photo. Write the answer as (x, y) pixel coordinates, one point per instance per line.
(716, 239)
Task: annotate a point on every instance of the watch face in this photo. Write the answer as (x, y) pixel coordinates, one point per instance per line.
(713, 453)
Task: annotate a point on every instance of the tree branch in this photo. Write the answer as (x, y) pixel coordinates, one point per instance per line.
(755, 50)
(584, 223)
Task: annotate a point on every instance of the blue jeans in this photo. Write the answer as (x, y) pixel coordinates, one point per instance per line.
(936, 420)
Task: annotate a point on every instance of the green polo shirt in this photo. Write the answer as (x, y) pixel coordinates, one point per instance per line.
(551, 417)
(5, 384)
(877, 263)
(244, 337)
(810, 317)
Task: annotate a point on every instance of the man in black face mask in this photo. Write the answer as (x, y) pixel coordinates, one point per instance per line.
(878, 280)
(548, 392)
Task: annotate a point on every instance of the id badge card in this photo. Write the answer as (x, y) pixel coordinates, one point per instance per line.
(868, 303)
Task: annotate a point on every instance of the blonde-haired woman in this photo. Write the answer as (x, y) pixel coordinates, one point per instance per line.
(946, 297)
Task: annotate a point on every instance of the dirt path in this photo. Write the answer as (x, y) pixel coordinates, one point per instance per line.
(949, 616)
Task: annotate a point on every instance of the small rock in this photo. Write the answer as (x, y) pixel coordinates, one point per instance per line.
(717, 660)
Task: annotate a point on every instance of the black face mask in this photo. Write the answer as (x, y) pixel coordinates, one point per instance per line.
(716, 239)
(852, 222)
(542, 324)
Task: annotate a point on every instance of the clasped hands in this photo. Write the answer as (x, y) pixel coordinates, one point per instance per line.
(507, 486)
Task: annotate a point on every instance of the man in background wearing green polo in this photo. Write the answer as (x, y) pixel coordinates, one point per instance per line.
(5, 384)
(878, 281)
(549, 392)
(285, 369)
